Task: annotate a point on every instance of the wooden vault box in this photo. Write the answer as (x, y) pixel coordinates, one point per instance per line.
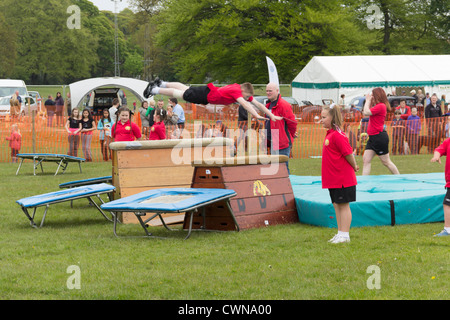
(143, 165)
(264, 192)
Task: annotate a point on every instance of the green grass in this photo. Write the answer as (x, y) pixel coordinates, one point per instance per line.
(278, 262)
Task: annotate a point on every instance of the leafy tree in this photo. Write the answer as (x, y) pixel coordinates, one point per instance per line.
(43, 56)
(7, 49)
(228, 41)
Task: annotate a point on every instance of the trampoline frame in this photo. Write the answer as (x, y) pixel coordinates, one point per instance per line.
(96, 193)
(61, 159)
(139, 213)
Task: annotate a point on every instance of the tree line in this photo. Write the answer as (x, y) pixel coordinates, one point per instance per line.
(195, 41)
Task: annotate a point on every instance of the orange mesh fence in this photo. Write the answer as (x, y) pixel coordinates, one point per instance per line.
(422, 136)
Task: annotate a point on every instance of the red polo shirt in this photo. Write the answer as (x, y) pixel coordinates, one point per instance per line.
(444, 150)
(336, 171)
(158, 131)
(225, 95)
(376, 120)
(125, 132)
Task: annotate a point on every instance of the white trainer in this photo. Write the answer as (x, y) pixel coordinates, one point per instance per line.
(340, 239)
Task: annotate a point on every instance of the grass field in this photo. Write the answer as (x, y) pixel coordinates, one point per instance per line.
(288, 262)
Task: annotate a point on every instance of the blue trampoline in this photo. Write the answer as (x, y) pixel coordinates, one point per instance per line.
(50, 198)
(380, 200)
(62, 160)
(168, 200)
(86, 182)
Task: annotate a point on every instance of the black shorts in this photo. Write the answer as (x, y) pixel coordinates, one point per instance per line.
(343, 195)
(379, 143)
(447, 198)
(197, 95)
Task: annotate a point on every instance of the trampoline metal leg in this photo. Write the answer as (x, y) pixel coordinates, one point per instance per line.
(20, 165)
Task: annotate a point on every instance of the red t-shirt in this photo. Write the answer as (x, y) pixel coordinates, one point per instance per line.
(376, 120)
(444, 150)
(336, 171)
(158, 131)
(225, 95)
(125, 132)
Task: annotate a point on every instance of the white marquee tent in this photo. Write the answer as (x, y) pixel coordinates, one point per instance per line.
(79, 90)
(329, 77)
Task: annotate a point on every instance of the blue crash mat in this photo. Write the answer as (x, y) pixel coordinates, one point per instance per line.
(380, 200)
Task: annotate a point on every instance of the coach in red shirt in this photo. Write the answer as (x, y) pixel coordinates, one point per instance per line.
(280, 133)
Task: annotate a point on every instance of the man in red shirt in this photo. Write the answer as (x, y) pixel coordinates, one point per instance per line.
(280, 134)
(240, 93)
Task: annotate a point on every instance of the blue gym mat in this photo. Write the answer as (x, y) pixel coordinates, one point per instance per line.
(380, 200)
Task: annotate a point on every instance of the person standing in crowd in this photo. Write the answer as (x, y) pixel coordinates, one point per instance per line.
(376, 107)
(338, 171)
(113, 110)
(59, 103)
(158, 130)
(170, 121)
(144, 120)
(124, 129)
(420, 97)
(280, 133)
(73, 127)
(398, 133)
(14, 107)
(51, 108)
(433, 114)
(68, 103)
(15, 142)
(413, 127)
(405, 110)
(160, 109)
(178, 110)
(88, 127)
(150, 112)
(104, 127)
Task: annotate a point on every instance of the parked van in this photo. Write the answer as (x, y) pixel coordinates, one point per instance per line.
(9, 86)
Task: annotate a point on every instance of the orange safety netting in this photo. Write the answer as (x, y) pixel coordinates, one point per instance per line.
(37, 137)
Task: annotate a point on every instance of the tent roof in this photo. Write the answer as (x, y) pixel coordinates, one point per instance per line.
(81, 88)
(369, 71)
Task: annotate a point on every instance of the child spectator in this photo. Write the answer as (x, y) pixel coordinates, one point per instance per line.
(124, 129)
(351, 137)
(338, 171)
(158, 130)
(15, 142)
(413, 127)
(144, 120)
(444, 150)
(104, 126)
(73, 127)
(447, 128)
(398, 133)
(87, 130)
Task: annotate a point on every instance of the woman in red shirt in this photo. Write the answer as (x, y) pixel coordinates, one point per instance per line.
(124, 129)
(338, 171)
(376, 107)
